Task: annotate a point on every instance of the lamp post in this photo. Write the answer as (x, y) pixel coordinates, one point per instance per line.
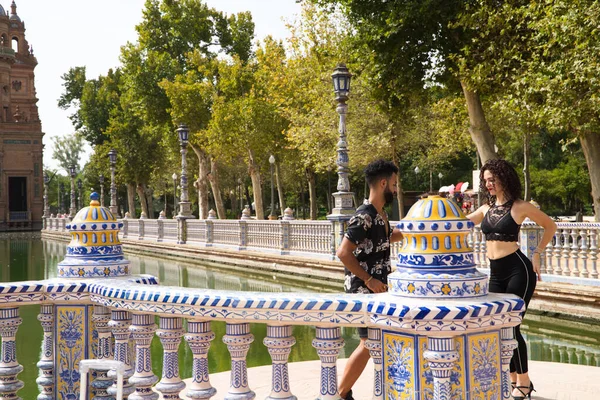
(101, 179)
(440, 175)
(185, 210)
(272, 215)
(241, 195)
(343, 209)
(79, 186)
(166, 187)
(174, 176)
(112, 158)
(417, 170)
(61, 190)
(73, 209)
(46, 209)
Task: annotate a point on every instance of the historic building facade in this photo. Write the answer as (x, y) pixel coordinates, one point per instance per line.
(21, 148)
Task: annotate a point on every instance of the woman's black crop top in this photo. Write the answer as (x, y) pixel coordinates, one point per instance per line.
(499, 225)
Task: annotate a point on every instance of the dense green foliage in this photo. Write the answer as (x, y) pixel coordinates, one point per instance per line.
(434, 83)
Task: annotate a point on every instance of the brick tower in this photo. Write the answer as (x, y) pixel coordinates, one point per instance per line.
(21, 148)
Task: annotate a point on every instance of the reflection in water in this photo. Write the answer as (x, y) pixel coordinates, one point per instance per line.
(20, 260)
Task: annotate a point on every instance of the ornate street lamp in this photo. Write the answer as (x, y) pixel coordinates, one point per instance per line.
(61, 190)
(101, 179)
(272, 215)
(174, 176)
(185, 210)
(440, 175)
(79, 186)
(417, 170)
(73, 209)
(46, 209)
(112, 158)
(343, 209)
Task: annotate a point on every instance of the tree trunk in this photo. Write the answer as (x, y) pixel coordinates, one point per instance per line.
(201, 184)
(213, 177)
(141, 192)
(234, 201)
(526, 175)
(279, 190)
(131, 200)
(256, 187)
(398, 177)
(248, 198)
(302, 199)
(590, 143)
(479, 129)
(312, 192)
(150, 202)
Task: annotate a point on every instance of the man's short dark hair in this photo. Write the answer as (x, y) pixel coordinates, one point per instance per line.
(378, 170)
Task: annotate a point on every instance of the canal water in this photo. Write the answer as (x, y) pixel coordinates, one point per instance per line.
(549, 339)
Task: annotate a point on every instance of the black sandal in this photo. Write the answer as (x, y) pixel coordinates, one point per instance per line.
(525, 395)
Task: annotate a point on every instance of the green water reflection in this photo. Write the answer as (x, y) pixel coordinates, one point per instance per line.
(20, 260)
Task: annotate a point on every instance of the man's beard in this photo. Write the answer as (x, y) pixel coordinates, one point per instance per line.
(389, 197)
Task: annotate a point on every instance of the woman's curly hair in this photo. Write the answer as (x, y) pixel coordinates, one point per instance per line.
(508, 177)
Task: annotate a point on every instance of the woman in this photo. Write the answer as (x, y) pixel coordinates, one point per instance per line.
(510, 270)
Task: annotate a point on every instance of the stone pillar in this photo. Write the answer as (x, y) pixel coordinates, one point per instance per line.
(508, 345)
(9, 366)
(285, 237)
(142, 330)
(170, 334)
(46, 364)
(373, 344)
(279, 342)
(238, 339)
(441, 355)
(101, 318)
(199, 337)
(328, 342)
(119, 325)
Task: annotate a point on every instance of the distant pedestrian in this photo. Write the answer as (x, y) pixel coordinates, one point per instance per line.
(365, 252)
(510, 270)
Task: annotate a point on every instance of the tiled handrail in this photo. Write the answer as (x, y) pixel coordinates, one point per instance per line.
(128, 306)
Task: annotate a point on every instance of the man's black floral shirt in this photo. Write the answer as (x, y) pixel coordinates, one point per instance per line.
(367, 229)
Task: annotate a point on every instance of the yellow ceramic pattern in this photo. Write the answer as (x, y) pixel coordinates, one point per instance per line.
(458, 390)
(94, 216)
(399, 367)
(434, 208)
(425, 243)
(71, 322)
(484, 366)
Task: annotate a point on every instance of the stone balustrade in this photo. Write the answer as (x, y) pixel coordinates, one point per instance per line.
(127, 312)
(573, 252)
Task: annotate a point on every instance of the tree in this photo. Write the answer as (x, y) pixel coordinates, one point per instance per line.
(67, 150)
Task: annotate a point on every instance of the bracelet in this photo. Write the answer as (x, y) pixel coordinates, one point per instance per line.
(537, 250)
(368, 280)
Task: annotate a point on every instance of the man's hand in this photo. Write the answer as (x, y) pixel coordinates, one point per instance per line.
(376, 286)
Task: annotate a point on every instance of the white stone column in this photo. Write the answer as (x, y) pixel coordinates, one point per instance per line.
(328, 342)
(238, 339)
(279, 342)
(142, 330)
(198, 338)
(170, 334)
(508, 345)
(373, 344)
(46, 364)
(441, 354)
(101, 318)
(9, 366)
(119, 325)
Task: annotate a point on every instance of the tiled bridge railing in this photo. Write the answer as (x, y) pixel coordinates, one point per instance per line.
(573, 251)
(121, 314)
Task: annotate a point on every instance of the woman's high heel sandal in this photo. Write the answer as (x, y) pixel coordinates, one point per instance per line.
(525, 395)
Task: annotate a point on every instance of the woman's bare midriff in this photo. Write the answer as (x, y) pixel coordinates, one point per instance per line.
(497, 249)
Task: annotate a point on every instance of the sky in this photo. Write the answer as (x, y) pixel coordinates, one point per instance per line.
(70, 33)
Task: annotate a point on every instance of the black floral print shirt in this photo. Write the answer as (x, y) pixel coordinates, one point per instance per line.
(367, 229)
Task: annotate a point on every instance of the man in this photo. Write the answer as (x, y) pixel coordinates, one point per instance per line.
(365, 252)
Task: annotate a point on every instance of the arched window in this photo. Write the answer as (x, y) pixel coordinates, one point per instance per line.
(15, 44)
